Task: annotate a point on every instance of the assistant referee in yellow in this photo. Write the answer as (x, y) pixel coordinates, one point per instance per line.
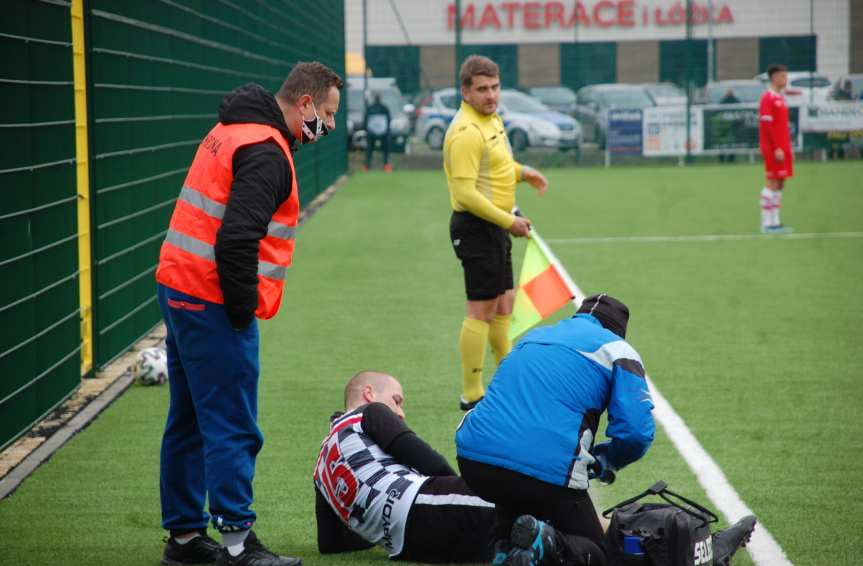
(482, 174)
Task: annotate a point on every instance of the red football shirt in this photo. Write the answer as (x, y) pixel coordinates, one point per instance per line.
(773, 128)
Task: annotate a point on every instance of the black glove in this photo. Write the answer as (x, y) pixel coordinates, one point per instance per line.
(601, 469)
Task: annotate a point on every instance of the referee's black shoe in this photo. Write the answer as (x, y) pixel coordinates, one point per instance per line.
(468, 405)
(200, 550)
(255, 554)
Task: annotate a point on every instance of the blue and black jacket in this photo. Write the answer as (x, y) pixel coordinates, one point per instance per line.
(541, 412)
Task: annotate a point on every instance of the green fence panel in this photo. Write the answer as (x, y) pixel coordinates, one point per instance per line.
(401, 62)
(798, 53)
(158, 71)
(681, 58)
(39, 319)
(506, 57)
(587, 63)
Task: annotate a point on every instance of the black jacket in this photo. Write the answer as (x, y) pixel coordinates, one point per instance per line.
(262, 182)
(376, 108)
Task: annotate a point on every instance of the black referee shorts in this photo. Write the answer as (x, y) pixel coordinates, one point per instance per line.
(448, 523)
(485, 251)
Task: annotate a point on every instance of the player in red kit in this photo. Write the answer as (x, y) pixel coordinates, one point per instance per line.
(775, 140)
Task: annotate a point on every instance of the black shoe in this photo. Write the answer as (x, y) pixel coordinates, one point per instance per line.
(255, 554)
(199, 550)
(727, 541)
(468, 405)
(534, 543)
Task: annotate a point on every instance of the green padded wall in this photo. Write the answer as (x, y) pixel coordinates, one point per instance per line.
(156, 71)
(587, 63)
(159, 70)
(39, 318)
(673, 61)
(798, 53)
(401, 62)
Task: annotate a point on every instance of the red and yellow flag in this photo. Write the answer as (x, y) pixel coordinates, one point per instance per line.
(543, 287)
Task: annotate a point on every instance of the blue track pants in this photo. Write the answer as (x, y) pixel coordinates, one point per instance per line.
(211, 437)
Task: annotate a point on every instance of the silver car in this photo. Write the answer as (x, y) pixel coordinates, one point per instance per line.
(527, 121)
(803, 87)
(530, 123)
(594, 101)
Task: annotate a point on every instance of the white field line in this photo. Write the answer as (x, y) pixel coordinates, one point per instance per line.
(763, 548)
(706, 238)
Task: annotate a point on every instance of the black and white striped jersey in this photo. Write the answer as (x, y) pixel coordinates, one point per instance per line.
(365, 487)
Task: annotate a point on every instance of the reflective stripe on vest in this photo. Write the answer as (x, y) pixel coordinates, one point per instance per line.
(283, 231)
(209, 206)
(204, 250)
(217, 210)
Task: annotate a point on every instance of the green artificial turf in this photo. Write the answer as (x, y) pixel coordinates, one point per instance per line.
(755, 343)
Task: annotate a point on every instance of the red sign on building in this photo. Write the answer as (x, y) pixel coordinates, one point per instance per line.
(599, 14)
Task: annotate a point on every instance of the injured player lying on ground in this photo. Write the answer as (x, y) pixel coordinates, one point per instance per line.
(378, 483)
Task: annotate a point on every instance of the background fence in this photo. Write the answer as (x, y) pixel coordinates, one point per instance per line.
(667, 59)
(156, 71)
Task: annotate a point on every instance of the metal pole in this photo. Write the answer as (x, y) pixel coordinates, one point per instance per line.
(711, 68)
(811, 39)
(577, 153)
(688, 62)
(365, 51)
(457, 51)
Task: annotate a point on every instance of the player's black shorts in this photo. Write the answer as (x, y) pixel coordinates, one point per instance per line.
(485, 251)
(570, 510)
(448, 522)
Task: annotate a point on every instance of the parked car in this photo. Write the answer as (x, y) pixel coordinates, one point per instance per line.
(856, 92)
(593, 103)
(540, 128)
(529, 122)
(558, 98)
(803, 87)
(391, 97)
(434, 114)
(665, 94)
(744, 90)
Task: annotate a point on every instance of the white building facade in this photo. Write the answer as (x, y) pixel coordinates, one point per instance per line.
(579, 42)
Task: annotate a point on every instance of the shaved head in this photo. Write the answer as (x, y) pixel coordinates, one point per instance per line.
(370, 386)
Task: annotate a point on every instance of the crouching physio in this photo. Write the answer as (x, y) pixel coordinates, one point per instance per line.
(378, 483)
(529, 445)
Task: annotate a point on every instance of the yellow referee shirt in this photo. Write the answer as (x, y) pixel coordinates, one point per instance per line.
(480, 170)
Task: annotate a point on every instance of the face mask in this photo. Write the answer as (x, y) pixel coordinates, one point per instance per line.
(313, 129)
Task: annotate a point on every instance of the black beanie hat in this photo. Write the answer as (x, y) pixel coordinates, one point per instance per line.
(609, 311)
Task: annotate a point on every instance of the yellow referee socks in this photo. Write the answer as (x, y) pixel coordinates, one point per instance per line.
(498, 337)
(471, 343)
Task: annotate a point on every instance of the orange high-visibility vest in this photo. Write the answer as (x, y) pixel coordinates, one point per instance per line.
(187, 261)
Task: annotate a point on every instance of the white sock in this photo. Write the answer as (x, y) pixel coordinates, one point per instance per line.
(766, 207)
(777, 203)
(183, 539)
(234, 541)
